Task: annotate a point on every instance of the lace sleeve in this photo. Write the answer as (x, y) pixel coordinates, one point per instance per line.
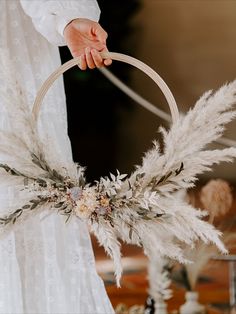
(51, 16)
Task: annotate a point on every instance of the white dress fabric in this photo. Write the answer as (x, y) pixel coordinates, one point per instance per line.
(46, 266)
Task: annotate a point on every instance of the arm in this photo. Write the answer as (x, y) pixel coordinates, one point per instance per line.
(50, 17)
(72, 23)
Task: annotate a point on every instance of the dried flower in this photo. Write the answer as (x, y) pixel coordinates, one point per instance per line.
(86, 204)
(101, 210)
(82, 211)
(216, 197)
(135, 309)
(104, 201)
(75, 193)
(159, 279)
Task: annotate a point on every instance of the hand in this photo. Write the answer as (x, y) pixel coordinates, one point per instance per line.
(85, 39)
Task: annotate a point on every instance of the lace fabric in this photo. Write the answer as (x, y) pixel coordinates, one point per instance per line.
(46, 265)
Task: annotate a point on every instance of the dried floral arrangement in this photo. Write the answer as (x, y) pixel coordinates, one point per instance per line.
(216, 197)
(124, 309)
(159, 278)
(141, 208)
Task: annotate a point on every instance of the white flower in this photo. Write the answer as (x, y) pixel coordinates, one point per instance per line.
(87, 204)
(82, 211)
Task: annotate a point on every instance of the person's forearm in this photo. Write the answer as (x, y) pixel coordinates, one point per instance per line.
(51, 16)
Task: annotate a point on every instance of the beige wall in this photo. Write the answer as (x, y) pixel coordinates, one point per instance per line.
(192, 45)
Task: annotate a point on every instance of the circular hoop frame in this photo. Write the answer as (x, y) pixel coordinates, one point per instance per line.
(114, 56)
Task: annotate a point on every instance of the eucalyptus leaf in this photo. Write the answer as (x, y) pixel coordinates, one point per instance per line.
(26, 206)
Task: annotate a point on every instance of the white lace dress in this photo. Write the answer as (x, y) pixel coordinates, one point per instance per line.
(46, 266)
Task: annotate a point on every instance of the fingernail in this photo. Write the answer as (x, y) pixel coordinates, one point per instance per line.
(108, 62)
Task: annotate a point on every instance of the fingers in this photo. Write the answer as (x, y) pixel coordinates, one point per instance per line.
(98, 61)
(89, 58)
(92, 59)
(106, 62)
(83, 64)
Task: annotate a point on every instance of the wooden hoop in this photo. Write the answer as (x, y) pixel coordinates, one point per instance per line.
(114, 56)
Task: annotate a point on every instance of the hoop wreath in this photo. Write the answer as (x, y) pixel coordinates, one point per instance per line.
(144, 208)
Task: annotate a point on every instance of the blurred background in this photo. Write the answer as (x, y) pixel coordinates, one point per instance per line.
(192, 45)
